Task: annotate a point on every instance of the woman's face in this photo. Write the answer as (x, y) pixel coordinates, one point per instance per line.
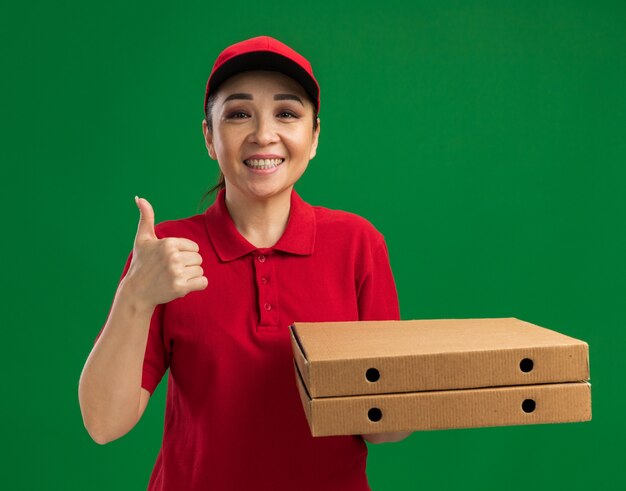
(261, 113)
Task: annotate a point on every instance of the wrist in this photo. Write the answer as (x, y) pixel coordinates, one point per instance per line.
(130, 293)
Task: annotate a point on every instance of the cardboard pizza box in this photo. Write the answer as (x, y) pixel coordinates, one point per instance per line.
(377, 376)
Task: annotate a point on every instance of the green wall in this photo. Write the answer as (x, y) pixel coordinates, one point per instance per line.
(486, 140)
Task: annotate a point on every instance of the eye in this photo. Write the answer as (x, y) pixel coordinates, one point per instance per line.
(233, 114)
(282, 114)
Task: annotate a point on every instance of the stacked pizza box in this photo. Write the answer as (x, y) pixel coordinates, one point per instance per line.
(384, 376)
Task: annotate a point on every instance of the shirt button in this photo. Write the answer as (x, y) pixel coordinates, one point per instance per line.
(268, 306)
(261, 258)
(264, 280)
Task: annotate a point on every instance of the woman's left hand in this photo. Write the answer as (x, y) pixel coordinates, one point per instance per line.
(386, 437)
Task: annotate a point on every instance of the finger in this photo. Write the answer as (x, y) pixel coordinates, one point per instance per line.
(145, 229)
(192, 272)
(185, 244)
(198, 283)
(189, 258)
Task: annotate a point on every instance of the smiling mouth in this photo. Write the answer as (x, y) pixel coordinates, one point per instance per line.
(263, 163)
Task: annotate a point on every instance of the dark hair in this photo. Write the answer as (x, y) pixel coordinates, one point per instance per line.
(209, 119)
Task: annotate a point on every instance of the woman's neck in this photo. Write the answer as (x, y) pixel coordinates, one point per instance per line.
(261, 221)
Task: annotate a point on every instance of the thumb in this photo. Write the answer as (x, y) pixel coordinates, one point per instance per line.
(145, 229)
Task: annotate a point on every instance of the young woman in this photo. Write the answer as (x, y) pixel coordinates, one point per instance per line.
(211, 297)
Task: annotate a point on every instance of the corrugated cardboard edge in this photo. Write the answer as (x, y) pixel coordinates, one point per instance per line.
(447, 371)
(299, 356)
(450, 409)
(304, 396)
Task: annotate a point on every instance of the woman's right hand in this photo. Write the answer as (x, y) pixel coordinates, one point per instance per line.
(162, 270)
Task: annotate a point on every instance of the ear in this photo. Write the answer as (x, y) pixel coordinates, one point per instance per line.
(315, 140)
(208, 140)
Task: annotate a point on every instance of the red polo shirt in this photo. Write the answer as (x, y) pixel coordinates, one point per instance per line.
(233, 416)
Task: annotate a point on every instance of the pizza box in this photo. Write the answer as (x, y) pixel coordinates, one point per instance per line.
(363, 377)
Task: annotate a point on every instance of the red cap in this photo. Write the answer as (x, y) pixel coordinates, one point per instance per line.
(263, 53)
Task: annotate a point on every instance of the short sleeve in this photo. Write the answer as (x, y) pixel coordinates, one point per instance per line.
(377, 296)
(156, 357)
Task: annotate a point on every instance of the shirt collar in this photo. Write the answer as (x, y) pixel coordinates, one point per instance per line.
(298, 237)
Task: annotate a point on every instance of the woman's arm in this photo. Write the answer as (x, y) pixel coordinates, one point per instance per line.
(109, 391)
(386, 437)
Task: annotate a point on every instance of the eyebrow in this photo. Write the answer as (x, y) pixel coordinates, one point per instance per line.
(277, 97)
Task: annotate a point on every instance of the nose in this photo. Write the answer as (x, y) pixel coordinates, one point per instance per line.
(264, 131)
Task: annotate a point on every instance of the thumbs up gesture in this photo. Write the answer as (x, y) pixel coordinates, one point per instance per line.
(163, 269)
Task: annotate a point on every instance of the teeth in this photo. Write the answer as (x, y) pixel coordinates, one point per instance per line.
(264, 163)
